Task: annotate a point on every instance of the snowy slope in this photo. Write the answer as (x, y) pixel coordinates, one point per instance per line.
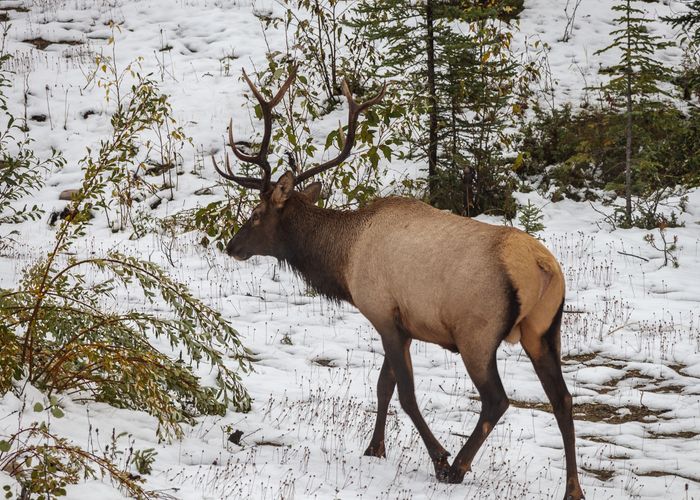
(631, 337)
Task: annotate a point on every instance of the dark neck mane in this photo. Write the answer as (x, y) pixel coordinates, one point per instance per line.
(317, 244)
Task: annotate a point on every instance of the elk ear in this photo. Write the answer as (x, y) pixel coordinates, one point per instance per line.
(283, 188)
(312, 191)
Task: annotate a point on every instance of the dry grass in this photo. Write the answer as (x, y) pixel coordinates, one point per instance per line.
(679, 434)
(329, 363)
(658, 473)
(572, 359)
(599, 412)
(42, 44)
(599, 474)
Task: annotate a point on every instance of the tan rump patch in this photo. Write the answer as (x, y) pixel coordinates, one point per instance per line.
(486, 427)
(537, 278)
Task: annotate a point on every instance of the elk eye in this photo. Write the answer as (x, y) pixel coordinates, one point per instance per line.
(256, 216)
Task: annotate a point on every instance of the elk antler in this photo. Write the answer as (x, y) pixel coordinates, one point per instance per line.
(354, 111)
(259, 159)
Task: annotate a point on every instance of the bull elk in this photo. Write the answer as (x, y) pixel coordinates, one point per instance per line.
(416, 273)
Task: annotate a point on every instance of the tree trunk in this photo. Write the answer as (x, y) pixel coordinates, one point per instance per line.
(433, 126)
(628, 131)
(628, 155)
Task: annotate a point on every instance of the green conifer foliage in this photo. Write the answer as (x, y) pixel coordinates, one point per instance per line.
(635, 77)
(688, 77)
(456, 72)
(688, 21)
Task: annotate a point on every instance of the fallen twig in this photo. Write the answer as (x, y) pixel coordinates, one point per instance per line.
(632, 255)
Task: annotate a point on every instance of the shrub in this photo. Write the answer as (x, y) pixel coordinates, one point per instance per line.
(578, 153)
(44, 464)
(21, 172)
(547, 139)
(57, 335)
(143, 126)
(59, 332)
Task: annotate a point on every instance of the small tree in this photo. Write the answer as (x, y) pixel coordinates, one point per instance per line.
(636, 77)
(459, 79)
(688, 21)
(21, 172)
(689, 38)
(406, 31)
(486, 86)
(531, 218)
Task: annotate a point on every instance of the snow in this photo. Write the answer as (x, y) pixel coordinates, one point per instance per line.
(631, 337)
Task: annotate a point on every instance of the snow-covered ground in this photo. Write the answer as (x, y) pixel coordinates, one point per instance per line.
(631, 335)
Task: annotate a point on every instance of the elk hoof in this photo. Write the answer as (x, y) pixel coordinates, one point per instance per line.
(455, 475)
(573, 490)
(376, 451)
(442, 469)
(443, 474)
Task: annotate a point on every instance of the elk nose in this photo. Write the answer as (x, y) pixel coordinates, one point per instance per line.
(231, 248)
(234, 250)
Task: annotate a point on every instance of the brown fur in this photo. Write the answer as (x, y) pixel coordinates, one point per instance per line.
(316, 243)
(537, 277)
(419, 273)
(445, 273)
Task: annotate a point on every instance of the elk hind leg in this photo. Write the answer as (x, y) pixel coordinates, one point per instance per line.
(544, 352)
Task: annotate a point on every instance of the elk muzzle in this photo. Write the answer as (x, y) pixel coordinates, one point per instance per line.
(236, 248)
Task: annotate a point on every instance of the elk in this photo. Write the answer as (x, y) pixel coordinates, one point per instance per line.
(416, 273)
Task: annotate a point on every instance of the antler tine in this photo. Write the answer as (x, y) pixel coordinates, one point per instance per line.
(267, 106)
(259, 159)
(248, 182)
(285, 86)
(232, 144)
(362, 106)
(354, 110)
(280, 93)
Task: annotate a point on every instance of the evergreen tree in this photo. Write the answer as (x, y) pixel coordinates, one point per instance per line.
(407, 31)
(688, 22)
(485, 85)
(688, 77)
(460, 79)
(636, 77)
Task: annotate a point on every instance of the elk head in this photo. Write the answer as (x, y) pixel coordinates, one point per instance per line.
(260, 234)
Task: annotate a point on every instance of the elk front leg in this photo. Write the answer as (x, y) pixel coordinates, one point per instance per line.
(396, 351)
(385, 390)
